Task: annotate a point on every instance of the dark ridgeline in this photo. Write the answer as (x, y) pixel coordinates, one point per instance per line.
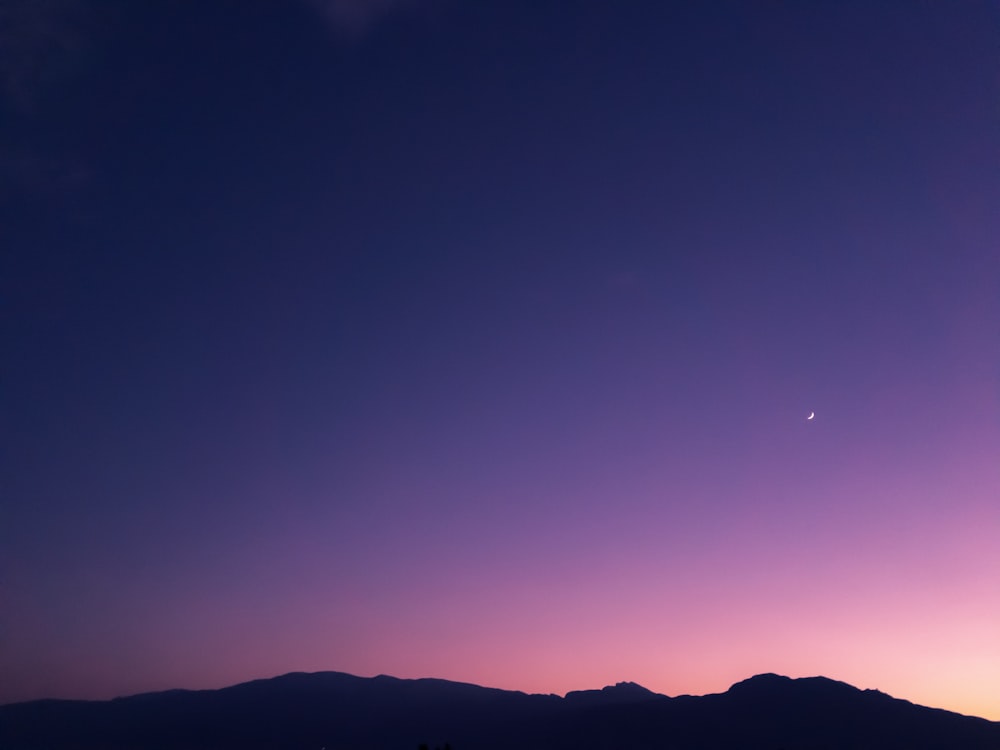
(342, 712)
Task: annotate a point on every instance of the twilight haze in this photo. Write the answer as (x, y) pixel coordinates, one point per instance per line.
(477, 340)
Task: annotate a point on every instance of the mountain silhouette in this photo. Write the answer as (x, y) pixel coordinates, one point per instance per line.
(339, 711)
(623, 692)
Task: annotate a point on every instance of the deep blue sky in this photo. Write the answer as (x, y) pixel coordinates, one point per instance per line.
(316, 313)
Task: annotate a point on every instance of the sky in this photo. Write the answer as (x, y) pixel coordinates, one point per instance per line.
(477, 340)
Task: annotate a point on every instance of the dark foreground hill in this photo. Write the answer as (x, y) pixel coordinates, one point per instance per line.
(342, 712)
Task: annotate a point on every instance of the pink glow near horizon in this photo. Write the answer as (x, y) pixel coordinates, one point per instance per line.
(438, 354)
(651, 601)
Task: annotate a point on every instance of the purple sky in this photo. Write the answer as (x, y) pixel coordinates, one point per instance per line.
(477, 341)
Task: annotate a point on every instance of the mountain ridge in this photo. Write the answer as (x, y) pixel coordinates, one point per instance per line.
(341, 711)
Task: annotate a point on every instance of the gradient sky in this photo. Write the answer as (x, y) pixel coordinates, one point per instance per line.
(476, 340)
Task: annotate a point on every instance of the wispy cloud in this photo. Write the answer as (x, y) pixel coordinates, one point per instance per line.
(44, 44)
(41, 43)
(355, 17)
(24, 171)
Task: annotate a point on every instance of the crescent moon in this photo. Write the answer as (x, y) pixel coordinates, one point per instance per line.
(811, 415)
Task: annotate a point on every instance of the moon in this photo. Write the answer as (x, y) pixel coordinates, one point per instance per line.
(812, 414)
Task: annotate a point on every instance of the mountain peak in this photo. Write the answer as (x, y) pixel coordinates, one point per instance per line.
(769, 679)
(627, 688)
(770, 686)
(620, 692)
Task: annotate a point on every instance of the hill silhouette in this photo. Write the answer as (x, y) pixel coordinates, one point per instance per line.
(339, 711)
